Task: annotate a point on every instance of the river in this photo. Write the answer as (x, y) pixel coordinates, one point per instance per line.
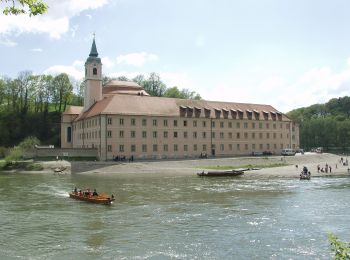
(162, 217)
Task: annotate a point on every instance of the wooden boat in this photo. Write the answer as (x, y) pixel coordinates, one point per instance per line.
(99, 199)
(59, 169)
(220, 173)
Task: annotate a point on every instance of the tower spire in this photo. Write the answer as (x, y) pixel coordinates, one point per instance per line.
(93, 51)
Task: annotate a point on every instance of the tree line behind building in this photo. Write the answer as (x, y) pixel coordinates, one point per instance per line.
(31, 105)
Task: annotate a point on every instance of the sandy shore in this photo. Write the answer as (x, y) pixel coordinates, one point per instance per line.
(191, 167)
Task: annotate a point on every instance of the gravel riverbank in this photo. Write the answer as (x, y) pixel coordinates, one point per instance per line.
(188, 167)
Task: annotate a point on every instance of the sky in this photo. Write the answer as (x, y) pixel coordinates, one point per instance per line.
(288, 54)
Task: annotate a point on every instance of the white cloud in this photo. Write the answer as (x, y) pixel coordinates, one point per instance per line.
(137, 58)
(75, 70)
(37, 50)
(107, 62)
(54, 23)
(317, 85)
(7, 42)
(178, 79)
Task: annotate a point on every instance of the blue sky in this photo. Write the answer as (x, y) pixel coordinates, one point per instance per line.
(284, 53)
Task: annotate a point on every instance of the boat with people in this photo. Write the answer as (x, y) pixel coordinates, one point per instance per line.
(92, 197)
(305, 174)
(229, 173)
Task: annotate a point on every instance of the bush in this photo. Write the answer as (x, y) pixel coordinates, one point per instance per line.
(14, 155)
(29, 143)
(3, 152)
(341, 249)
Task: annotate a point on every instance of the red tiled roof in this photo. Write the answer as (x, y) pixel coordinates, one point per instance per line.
(161, 106)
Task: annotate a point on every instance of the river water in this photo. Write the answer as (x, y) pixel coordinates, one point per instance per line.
(162, 217)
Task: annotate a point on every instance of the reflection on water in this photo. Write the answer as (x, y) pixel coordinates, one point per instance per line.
(172, 217)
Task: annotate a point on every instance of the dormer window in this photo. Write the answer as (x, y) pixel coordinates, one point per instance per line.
(94, 71)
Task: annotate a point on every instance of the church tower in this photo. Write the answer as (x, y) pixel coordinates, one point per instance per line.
(93, 78)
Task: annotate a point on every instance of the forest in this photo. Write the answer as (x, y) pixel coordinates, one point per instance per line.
(31, 105)
(325, 125)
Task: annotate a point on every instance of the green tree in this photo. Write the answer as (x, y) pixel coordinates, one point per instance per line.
(62, 89)
(341, 249)
(30, 7)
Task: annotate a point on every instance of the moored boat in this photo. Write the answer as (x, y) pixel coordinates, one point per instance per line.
(220, 173)
(89, 197)
(305, 174)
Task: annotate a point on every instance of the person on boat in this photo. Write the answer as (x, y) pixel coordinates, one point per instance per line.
(80, 193)
(95, 193)
(75, 190)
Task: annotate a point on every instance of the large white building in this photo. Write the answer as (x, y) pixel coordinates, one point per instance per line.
(121, 119)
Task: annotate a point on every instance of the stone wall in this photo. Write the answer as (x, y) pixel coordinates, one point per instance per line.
(61, 152)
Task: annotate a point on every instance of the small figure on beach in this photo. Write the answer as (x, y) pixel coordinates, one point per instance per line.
(330, 169)
(318, 168)
(296, 166)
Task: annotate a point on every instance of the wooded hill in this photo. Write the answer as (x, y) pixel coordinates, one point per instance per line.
(31, 105)
(324, 125)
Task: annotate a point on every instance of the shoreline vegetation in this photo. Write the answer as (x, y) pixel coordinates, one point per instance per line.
(272, 166)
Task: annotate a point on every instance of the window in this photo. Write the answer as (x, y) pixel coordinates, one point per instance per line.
(267, 125)
(246, 146)
(274, 126)
(246, 135)
(144, 148)
(230, 135)
(229, 124)
(175, 148)
(133, 121)
(175, 134)
(121, 134)
(175, 122)
(260, 146)
(245, 125)
(144, 134)
(133, 148)
(154, 122)
(204, 147)
(204, 124)
(260, 125)
(185, 147)
(274, 135)
(213, 135)
(69, 134)
(253, 146)
(221, 135)
(222, 147)
(132, 134)
(144, 122)
(165, 134)
(121, 148)
(238, 125)
(109, 133)
(109, 148)
(221, 124)
(195, 123)
(165, 122)
(194, 147)
(230, 147)
(238, 147)
(165, 148)
(94, 71)
(267, 135)
(194, 135)
(155, 148)
(213, 124)
(253, 135)
(154, 134)
(204, 135)
(185, 122)
(253, 125)
(185, 134)
(109, 121)
(260, 135)
(121, 121)
(238, 135)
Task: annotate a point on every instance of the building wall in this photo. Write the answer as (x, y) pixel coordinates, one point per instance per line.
(155, 137)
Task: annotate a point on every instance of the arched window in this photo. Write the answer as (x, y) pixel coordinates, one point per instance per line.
(69, 134)
(94, 71)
